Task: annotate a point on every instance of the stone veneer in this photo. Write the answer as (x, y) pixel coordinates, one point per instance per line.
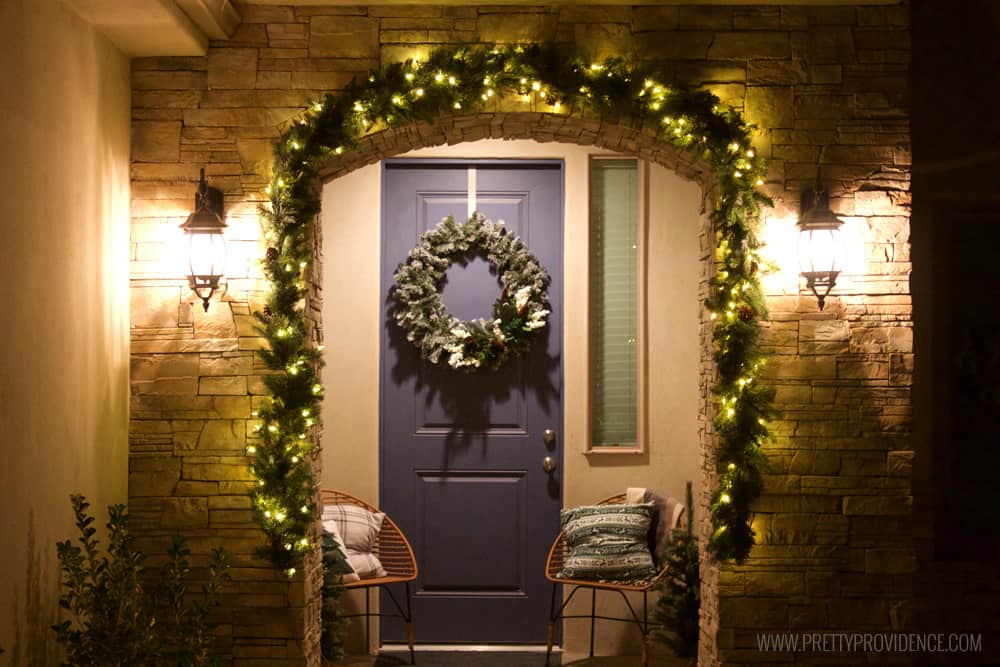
(826, 86)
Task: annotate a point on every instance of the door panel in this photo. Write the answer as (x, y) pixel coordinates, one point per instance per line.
(461, 454)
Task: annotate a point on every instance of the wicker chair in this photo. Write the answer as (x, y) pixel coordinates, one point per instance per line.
(557, 558)
(396, 556)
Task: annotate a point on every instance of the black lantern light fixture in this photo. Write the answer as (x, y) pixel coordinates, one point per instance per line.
(821, 247)
(206, 247)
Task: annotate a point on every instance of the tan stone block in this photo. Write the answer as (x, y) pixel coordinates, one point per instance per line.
(238, 502)
(287, 34)
(154, 464)
(228, 434)
(232, 68)
(752, 44)
(515, 26)
(151, 367)
(825, 330)
(802, 368)
(851, 369)
(230, 365)
(757, 18)
(152, 483)
(188, 488)
(769, 106)
(154, 306)
(901, 369)
(858, 612)
(217, 472)
(753, 612)
(900, 463)
(273, 80)
(645, 18)
(184, 345)
(230, 517)
(830, 44)
(878, 505)
(705, 18)
(775, 584)
(815, 462)
(305, 80)
(792, 394)
(177, 386)
(185, 441)
(863, 463)
(600, 41)
(232, 407)
(233, 385)
(890, 561)
(239, 117)
(233, 486)
(343, 36)
(777, 72)
(256, 156)
(172, 80)
(824, 107)
(823, 529)
(184, 513)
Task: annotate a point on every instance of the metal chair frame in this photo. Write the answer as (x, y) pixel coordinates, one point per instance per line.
(557, 557)
(396, 555)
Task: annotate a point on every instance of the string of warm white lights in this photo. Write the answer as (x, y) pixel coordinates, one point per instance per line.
(541, 78)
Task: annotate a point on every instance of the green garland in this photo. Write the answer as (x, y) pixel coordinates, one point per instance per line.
(467, 79)
(518, 312)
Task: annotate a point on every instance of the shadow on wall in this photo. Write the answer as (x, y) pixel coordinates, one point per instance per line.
(37, 637)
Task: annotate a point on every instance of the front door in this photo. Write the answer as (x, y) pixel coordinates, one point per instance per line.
(461, 454)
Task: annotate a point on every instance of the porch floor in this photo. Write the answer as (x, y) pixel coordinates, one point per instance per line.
(499, 659)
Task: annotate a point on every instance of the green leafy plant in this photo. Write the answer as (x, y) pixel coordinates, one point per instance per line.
(334, 567)
(115, 621)
(680, 600)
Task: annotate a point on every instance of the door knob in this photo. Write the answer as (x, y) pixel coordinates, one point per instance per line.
(548, 464)
(548, 436)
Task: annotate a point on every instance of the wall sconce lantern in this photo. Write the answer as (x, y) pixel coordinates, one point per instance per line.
(821, 248)
(206, 247)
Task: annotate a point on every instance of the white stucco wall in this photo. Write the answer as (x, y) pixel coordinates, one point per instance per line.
(64, 244)
(351, 222)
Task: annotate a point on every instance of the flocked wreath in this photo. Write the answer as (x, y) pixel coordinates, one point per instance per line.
(470, 345)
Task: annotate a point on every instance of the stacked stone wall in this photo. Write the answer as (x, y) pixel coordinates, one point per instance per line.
(826, 87)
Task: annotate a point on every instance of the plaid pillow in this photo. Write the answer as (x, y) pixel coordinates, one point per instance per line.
(356, 525)
(608, 542)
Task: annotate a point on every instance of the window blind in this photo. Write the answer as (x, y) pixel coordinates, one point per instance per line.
(613, 308)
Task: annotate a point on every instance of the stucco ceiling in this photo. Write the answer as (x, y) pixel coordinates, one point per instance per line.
(184, 27)
(160, 27)
(573, 2)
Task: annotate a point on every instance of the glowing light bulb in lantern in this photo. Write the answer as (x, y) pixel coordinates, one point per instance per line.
(206, 245)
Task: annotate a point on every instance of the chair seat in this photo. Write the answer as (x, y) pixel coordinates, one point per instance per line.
(554, 566)
(396, 555)
(378, 581)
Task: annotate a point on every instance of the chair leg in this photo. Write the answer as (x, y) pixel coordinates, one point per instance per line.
(593, 618)
(645, 630)
(409, 626)
(552, 626)
(368, 622)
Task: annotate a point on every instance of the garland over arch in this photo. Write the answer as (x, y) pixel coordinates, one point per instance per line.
(468, 79)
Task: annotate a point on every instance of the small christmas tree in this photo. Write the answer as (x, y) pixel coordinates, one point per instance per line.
(680, 591)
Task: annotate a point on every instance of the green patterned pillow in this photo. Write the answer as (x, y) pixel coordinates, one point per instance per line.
(608, 542)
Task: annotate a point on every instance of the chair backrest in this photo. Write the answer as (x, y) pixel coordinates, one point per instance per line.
(391, 548)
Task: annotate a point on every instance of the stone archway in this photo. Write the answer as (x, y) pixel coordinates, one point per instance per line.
(543, 128)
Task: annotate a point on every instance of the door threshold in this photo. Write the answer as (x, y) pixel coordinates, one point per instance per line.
(474, 648)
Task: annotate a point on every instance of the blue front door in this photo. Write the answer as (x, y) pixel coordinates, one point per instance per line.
(461, 455)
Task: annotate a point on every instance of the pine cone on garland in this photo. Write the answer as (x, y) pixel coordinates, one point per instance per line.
(753, 268)
(267, 309)
(271, 254)
(746, 313)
